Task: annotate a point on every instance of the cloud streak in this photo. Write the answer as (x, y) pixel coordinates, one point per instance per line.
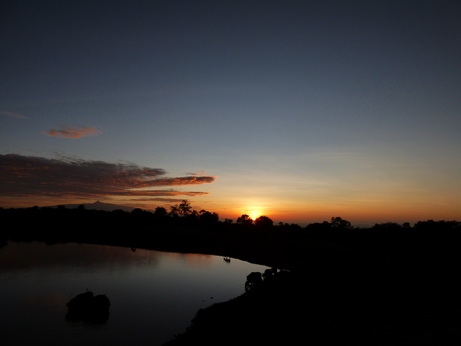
(29, 176)
(13, 115)
(73, 132)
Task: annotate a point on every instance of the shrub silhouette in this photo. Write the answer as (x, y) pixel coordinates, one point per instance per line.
(254, 280)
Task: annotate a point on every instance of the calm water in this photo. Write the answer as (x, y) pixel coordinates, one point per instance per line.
(153, 294)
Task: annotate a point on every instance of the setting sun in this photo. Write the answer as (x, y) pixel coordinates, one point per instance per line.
(254, 213)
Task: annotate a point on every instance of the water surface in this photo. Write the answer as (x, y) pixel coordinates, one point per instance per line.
(153, 294)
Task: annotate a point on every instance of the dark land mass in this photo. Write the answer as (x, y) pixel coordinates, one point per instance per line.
(96, 206)
(389, 284)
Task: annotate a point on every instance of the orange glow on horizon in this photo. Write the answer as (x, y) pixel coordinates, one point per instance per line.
(359, 213)
(254, 212)
(253, 215)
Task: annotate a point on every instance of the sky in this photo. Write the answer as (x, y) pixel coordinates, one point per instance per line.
(298, 110)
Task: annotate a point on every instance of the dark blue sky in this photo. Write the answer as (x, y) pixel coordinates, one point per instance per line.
(296, 106)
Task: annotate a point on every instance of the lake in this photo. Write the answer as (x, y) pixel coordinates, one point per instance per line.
(154, 295)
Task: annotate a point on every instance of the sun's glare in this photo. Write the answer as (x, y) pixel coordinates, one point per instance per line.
(254, 213)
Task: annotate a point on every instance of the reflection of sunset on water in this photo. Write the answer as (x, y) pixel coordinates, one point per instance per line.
(146, 288)
(60, 256)
(195, 260)
(56, 299)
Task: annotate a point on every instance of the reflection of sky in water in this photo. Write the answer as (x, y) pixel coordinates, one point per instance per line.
(21, 256)
(153, 294)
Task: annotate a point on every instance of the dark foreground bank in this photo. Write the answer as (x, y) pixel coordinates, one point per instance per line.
(297, 308)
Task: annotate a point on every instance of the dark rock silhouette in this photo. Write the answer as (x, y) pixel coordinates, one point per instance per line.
(88, 308)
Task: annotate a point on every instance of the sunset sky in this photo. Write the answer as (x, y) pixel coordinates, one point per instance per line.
(299, 110)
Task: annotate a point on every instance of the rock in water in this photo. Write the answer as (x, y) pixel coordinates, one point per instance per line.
(89, 308)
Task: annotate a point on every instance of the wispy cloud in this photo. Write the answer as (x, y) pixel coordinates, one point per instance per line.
(28, 176)
(194, 180)
(170, 192)
(13, 115)
(73, 132)
(199, 173)
(157, 199)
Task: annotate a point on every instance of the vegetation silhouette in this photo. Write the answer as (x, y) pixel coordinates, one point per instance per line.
(245, 220)
(264, 222)
(335, 284)
(254, 280)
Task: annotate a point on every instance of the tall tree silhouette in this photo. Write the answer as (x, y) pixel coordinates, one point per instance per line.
(182, 209)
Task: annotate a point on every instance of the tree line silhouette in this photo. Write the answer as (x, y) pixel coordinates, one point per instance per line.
(184, 229)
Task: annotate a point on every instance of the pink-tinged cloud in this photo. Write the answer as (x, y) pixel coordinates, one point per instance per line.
(13, 115)
(159, 199)
(166, 199)
(71, 132)
(166, 193)
(27, 176)
(194, 180)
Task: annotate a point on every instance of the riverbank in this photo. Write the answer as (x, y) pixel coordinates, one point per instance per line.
(298, 308)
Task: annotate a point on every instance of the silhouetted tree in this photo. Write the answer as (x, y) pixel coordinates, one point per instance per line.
(137, 211)
(207, 217)
(174, 210)
(160, 212)
(192, 216)
(406, 225)
(183, 209)
(388, 226)
(289, 228)
(339, 223)
(264, 222)
(318, 230)
(245, 220)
